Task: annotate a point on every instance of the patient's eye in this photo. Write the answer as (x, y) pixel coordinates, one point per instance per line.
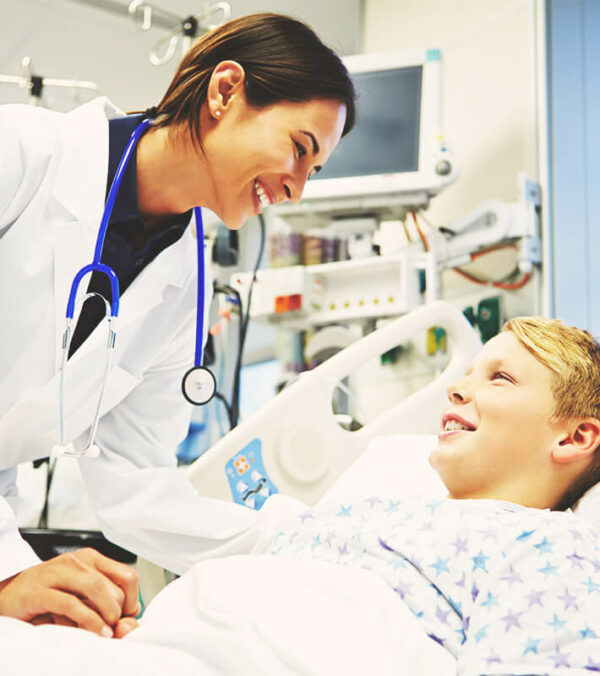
(499, 375)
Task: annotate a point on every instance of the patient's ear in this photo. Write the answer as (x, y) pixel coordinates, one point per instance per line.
(577, 442)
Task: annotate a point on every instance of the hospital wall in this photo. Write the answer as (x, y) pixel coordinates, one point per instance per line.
(79, 39)
(489, 104)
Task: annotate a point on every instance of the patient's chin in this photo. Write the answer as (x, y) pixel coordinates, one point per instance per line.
(440, 461)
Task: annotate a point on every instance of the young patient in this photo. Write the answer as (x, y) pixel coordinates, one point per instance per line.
(498, 573)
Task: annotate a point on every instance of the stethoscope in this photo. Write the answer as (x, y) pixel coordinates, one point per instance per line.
(198, 384)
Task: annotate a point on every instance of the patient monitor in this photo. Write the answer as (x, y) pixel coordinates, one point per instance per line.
(396, 154)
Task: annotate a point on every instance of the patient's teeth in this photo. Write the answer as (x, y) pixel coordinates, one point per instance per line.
(452, 424)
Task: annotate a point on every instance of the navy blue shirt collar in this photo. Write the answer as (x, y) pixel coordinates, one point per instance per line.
(126, 204)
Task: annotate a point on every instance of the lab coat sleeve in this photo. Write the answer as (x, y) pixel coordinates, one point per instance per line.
(18, 183)
(15, 553)
(143, 501)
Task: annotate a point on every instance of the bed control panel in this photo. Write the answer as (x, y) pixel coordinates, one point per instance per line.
(248, 479)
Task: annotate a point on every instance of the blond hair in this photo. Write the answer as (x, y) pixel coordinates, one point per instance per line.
(573, 356)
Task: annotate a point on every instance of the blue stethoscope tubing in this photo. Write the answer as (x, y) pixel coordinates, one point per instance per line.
(198, 384)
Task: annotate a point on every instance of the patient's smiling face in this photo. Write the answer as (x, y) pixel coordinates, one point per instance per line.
(497, 429)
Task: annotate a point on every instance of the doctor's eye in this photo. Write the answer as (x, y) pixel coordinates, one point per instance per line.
(300, 149)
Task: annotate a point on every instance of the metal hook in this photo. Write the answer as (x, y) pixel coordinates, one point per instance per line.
(185, 29)
(209, 10)
(172, 37)
(146, 23)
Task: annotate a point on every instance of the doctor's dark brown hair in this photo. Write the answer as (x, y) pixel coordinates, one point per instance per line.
(283, 60)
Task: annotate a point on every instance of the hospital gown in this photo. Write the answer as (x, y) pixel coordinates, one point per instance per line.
(506, 589)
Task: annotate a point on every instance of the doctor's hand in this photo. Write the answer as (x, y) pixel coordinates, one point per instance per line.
(82, 588)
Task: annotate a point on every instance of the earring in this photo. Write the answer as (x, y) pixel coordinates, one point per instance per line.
(217, 113)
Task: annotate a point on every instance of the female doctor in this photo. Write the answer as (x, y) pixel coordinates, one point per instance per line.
(254, 109)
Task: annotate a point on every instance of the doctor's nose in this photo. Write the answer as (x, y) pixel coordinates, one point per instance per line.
(294, 187)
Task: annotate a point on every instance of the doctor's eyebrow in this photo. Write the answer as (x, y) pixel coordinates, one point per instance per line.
(315, 145)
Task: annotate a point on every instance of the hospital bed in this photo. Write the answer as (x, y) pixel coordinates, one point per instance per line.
(295, 446)
(271, 615)
(242, 614)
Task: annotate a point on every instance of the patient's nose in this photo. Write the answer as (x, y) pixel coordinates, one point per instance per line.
(457, 393)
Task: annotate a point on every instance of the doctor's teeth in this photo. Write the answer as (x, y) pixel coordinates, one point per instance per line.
(262, 196)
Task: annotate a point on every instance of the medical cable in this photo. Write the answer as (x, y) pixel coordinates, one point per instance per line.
(419, 230)
(228, 290)
(245, 320)
(43, 518)
(502, 283)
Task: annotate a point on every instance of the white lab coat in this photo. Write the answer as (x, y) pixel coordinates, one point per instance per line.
(53, 172)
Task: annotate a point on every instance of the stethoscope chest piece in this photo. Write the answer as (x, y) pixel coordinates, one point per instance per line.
(198, 385)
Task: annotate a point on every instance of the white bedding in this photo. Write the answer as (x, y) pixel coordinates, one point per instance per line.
(262, 614)
(245, 615)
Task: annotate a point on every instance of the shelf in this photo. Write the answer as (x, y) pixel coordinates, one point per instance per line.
(342, 291)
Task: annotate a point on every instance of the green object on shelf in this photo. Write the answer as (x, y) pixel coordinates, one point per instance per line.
(489, 317)
(469, 313)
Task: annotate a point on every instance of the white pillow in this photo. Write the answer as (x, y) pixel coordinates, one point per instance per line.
(399, 463)
(391, 464)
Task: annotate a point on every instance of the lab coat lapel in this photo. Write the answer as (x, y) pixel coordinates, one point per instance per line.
(79, 191)
(75, 241)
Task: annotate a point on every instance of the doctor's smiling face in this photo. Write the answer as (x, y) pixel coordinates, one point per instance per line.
(500, 436)
(254, 109)
(256, 157)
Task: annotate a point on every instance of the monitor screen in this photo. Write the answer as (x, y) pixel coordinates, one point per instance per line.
(385, 139)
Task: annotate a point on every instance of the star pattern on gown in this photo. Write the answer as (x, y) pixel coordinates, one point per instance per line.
(531, 645)
(535, 598)
(575, 559)
(548, 569)
(479, 561)
(481, 633)
(460, 545)
(556, 623)
(569, 600)
(592, 586)
(496, 591)
(345, 511)
(440, 566)
(491, 601)
(512, 620)
(560, 659)
(513, 577)
(306, 515)
(587, 633)
(544, 547)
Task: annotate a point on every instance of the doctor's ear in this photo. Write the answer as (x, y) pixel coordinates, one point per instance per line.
(577, 443)
(226, 81)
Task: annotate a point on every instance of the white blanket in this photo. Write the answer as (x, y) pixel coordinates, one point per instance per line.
(245, 615)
